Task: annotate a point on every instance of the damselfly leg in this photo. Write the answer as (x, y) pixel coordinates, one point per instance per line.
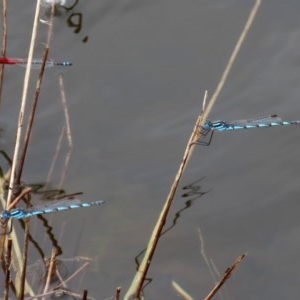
(206, 134)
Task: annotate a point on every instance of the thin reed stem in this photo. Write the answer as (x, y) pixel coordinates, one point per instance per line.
(17, 250)
(228, 273)
(17, 200)
(232, 58)
(36, 96)
(85, 294)
(7, 269)
(118, 293)
(75, 273)
(23, 103)
(31, 116)
(53, 162)
(180, 291)
(25, 256)
(138, 281)
(68, 128)
(50, 271)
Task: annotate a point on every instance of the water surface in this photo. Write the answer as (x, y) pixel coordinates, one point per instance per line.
(133, 95)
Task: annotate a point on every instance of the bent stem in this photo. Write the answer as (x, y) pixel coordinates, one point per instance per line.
(138, 281)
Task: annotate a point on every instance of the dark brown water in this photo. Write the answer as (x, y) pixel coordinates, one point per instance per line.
(133, 95)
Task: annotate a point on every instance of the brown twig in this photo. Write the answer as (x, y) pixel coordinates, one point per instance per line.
(232, 58)
(7, 270)
(50, 271)
(31, 116)
(140, 276)
(16, 201)
(23, 104)
(35, 97)
(138, 281)
(228, 273)
(85, 294)
(25, 256)
(118, 292)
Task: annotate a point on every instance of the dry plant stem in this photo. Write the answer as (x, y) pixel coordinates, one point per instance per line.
(138, 281)
(4, 223)
(66, 112)
(68, 127)
(75, 273)
(4, 43)
(228, 273)
(17, 251)
(16, 201)
(118, 292)
(85, 294)
(23, 102)
(136, 286)
(57, 149)
(232, 59)
(7, 271)
(59, 276)
(17, 254)
(180, 291)
(35, 98)
(50, 272)
(31, 117)
(204, 256)
(25, 255)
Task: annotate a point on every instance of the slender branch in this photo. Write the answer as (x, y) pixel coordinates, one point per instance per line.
(227, 275)
(68, 128)
(232, 58)
(23, 103)
(118, 292)
(35, 98)
(50, 271)
(25, 256)
(138, 281)
(7, 271)
(16, 201)
(31, 116)
(85, 294)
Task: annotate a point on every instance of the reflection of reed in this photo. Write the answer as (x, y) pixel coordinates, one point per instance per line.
(51, 194)
(196, 193)
(195, 190)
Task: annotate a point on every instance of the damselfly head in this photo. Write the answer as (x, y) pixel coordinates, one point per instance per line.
(5, 215)
(207, 125)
